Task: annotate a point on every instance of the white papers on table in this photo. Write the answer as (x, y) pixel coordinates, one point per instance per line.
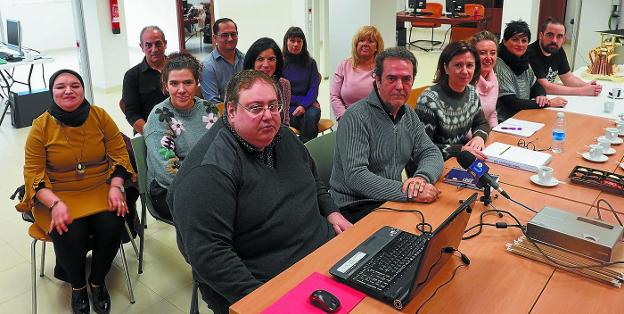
(516, 157)
(518, 127)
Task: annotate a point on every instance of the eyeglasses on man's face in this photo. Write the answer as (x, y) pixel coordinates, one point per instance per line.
(258, 109)
(234, 35)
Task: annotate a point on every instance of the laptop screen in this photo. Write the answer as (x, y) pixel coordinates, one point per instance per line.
(449, 233)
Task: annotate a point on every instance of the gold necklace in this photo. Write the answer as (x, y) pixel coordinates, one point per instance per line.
(80, 167)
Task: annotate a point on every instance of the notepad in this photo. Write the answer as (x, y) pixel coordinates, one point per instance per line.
(297, 299)
(518, 127)
(516, 157)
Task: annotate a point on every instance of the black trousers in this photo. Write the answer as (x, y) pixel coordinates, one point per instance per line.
(159, 200)
(307, 123)
(100, 232)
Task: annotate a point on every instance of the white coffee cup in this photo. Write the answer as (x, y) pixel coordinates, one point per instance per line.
(616, 92)
(620, 117)
(545, 174)
(28, 56)
(608, 106)
(611, 133)
(595, 151)
(605, 143)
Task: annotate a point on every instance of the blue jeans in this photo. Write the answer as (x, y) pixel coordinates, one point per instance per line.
(307, 123)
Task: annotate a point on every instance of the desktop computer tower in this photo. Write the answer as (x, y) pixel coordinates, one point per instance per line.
(26, 106)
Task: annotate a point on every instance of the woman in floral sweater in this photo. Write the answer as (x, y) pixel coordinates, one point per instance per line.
(175, 125)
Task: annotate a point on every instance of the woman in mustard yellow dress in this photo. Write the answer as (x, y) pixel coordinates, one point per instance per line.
(75, 168)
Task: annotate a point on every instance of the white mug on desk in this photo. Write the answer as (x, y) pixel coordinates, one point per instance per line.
(28, 56)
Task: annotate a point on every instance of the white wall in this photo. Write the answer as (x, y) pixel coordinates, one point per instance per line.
(162, 13)
(593, 17)
(108, 52)
(342, 25)
(254, 20)
(526, 10)
(46, 25)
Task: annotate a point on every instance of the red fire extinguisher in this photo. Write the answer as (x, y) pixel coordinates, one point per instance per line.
(114, 8)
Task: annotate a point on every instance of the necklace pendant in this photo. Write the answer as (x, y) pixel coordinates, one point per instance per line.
(80, 168)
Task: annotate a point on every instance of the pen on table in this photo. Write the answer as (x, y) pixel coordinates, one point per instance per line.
(506, 149)
(511, 128)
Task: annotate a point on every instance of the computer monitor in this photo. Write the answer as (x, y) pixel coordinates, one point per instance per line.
(455, 6)
(14, 35)
(417, 4)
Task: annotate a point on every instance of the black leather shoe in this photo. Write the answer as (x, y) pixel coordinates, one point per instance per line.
(101, 299)
(80, 301)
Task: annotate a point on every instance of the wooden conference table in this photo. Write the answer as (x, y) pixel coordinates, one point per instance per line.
(496, 281)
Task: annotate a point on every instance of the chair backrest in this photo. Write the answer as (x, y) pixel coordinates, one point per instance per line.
(435, 8)
(322, 151)
(436, 11)
(469, 9)
(412, 100)
(140, 155)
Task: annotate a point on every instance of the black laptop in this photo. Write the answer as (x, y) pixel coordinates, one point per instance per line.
(392, 264)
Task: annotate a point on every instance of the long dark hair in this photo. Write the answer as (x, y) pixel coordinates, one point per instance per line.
(302, 58)
(259, 46)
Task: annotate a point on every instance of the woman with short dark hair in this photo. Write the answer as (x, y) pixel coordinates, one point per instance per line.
(301, 70)
(265, 56)
(451, 107)
(518, 86)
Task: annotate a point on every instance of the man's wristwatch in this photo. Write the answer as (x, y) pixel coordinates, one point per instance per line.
(120, 187)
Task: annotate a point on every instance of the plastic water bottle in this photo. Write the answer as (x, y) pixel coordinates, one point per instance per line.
(558, 133)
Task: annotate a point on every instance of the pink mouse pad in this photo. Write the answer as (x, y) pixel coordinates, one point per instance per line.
(297, 300)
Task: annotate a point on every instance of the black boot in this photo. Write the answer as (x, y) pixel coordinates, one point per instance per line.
(101, 299)
(80, 301)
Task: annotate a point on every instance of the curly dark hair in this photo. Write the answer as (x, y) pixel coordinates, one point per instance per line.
(259, 46)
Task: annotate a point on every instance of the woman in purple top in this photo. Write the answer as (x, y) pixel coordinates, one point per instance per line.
(301, 70)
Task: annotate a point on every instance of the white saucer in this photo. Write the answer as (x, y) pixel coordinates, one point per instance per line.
(535, 179)
(610, 151)
(603, 158)
(611, 96)
(615, 141)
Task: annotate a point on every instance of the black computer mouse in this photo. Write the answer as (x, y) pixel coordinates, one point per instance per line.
(325, 301)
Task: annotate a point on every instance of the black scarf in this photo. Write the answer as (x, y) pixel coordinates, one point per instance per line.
(517, 64)
(74, 118)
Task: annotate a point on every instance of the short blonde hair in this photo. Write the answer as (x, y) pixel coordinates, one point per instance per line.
(366, 32)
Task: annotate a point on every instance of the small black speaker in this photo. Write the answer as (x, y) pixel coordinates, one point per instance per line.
(26, 106)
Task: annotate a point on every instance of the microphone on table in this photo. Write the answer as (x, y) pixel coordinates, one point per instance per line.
(479, 170)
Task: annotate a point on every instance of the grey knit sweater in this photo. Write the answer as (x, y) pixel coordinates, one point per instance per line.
(448, 116)
(171, 133)
(372, 150)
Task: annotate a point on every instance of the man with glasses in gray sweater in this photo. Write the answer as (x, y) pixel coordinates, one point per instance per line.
(378, 137)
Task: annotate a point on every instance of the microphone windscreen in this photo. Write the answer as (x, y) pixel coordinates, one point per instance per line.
(465, 159)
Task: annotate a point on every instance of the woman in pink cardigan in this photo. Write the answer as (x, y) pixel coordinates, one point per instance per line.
(487, 86)
(353, 79)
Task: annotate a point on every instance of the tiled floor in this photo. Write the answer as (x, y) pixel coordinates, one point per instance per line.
(165, 285)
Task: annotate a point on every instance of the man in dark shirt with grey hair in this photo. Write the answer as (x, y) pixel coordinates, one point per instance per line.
(142, 86)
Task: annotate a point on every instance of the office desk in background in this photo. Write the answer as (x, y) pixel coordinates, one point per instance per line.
(9, 80)
(479, 23)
